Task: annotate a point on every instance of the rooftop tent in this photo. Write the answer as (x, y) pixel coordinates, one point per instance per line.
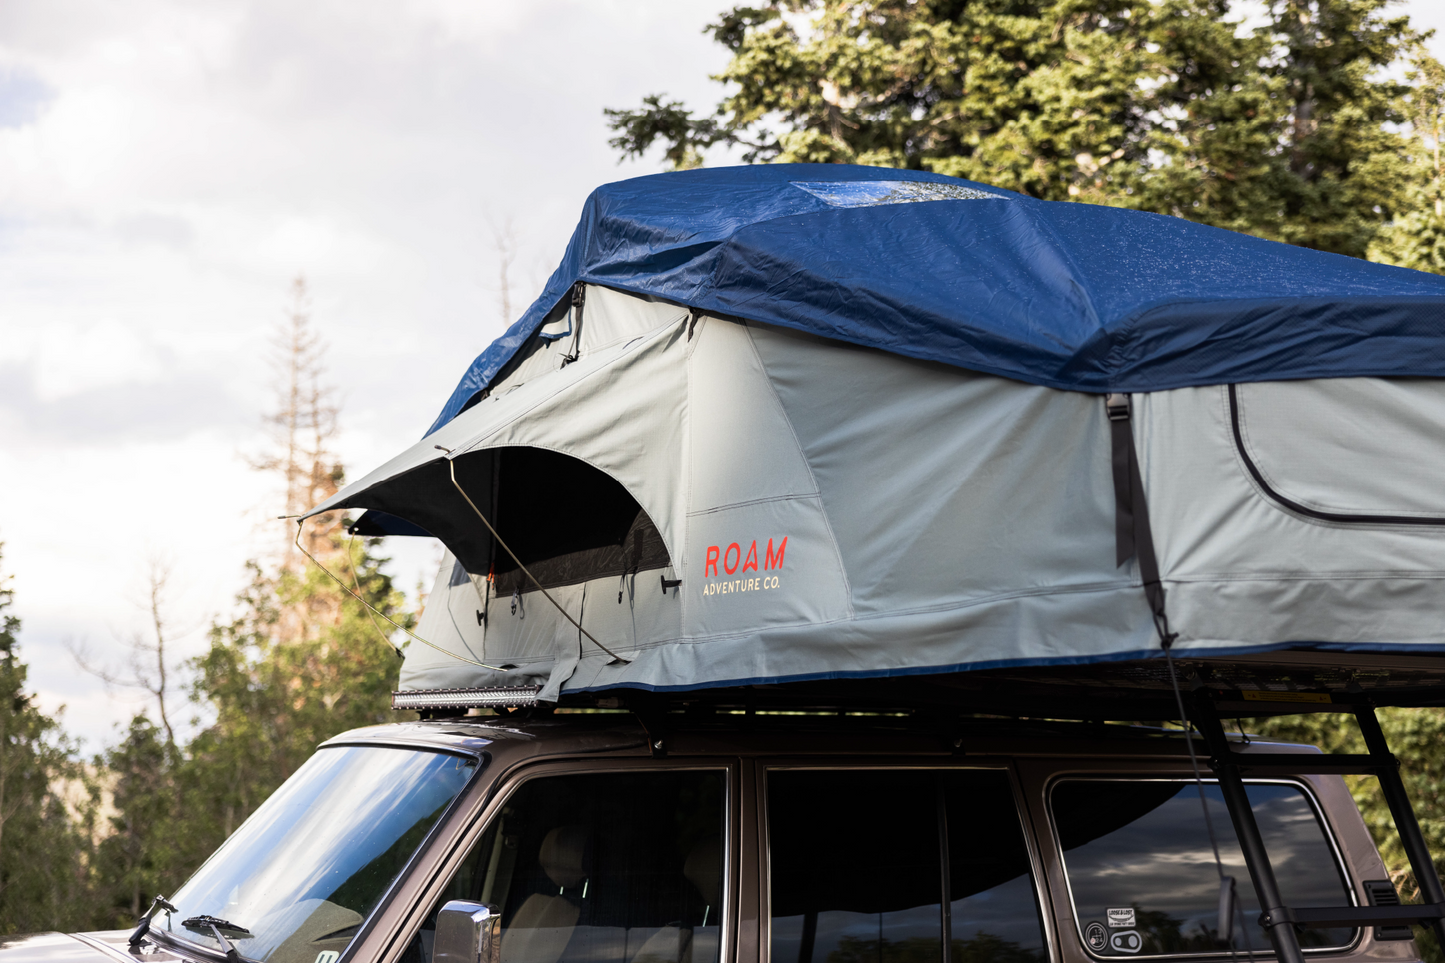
(794, 422)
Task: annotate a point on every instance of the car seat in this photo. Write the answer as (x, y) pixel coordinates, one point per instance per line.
(543, 925)
(674, 943)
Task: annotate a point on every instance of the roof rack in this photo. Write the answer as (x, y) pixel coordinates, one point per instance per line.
(1282, 683)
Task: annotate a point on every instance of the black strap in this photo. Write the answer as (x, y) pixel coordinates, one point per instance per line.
(579, 297)
(1132, 535)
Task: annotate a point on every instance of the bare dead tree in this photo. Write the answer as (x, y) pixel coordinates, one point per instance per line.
(505, 243)
(1426, 105)
(303, 424)
(157, 577)
(147, 665)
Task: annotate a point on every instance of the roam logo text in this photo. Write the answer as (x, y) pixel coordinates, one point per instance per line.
(734, 560)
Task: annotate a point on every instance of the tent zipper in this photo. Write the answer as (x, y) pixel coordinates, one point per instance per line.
(1284, 501)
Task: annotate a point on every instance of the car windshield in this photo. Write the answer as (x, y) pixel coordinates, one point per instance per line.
(296, 881)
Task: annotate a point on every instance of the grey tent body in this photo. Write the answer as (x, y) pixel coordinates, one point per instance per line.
(725, 503)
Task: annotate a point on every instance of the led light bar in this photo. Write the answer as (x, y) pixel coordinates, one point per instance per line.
(498, 698)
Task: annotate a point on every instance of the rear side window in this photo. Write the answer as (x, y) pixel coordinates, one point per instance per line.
(891, 866)
(1142, 875)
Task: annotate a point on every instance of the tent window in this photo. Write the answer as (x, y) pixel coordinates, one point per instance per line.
(1352, 450)
(567, 521)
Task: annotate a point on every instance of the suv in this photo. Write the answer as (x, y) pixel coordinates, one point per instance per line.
(789, 837)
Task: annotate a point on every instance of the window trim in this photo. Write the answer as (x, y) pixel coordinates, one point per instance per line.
(508, 783)
(1266, 951)
(1042, 903)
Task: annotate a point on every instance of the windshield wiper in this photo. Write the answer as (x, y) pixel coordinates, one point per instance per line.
(143, 925)
(214, 923)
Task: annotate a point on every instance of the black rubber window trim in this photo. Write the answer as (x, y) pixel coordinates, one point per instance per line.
(1296, 507)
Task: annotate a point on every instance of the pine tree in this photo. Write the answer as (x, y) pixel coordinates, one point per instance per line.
(1285, 131)
(1336, 176)
(299, 662)
(302, 660)
(140, 856)
(144, 851)
(302, 426)
(43, 843)
(1416, 238)
(276, 696)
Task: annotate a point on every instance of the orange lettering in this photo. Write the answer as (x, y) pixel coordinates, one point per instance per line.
(734, 552)
(710, 569)
(751, 565)
(775, 561)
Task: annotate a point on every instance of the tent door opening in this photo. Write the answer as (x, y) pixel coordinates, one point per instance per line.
(567, 521)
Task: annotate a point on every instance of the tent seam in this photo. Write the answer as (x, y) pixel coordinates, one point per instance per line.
(1035, 212)
(753, 501)
(817, 489)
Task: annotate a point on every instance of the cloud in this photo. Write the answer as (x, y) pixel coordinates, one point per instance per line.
(113, 415)
(167, 167)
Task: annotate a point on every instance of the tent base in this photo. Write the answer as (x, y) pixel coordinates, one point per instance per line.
(1139, 690)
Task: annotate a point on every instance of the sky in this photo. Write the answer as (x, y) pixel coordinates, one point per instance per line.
(167, 168)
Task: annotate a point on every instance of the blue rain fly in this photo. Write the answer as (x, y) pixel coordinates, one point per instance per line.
(1072, 296)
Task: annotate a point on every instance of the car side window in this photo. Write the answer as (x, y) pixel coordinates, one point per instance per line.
(600, 868)
(1141, 866)
(858, 872)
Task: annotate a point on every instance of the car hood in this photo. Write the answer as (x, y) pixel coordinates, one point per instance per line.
(104, 947)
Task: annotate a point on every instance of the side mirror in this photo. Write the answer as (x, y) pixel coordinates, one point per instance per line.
(467, 933)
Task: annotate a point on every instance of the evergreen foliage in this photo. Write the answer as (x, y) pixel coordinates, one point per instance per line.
(300, 662)
(88, 847)
(1416, 238)
(1288, 129)
(276, 695)
(44, 836)
(146, 832)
